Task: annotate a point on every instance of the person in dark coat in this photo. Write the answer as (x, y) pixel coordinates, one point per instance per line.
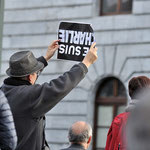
(30, 102)
(8, 138)
(80, 135)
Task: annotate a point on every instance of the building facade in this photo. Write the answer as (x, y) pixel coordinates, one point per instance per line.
(122, 31)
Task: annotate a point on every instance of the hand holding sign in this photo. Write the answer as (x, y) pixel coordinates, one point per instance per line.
(91, 56)
(51, 49)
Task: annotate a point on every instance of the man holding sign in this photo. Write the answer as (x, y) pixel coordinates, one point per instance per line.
(30, 102)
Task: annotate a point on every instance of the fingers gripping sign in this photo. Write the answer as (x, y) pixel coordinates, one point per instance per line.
(91, 56)
(52, 49)
(94, 49)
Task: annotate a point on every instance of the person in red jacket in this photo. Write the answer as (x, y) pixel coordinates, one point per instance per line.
(116, 137)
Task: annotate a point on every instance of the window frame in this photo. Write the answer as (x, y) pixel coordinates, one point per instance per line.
(115, 102)
(118, 12)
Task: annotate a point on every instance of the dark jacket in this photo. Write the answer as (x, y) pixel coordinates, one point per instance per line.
(75, 147)
(29, 103)
(8, 138)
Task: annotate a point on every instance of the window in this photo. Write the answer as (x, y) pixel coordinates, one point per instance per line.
(110, 101)
(1, 21)
(110, 7)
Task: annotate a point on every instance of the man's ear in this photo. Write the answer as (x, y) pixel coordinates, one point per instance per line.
(89, 140)
(29, 77)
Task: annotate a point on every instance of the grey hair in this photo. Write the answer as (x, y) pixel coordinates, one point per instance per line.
(82, 137)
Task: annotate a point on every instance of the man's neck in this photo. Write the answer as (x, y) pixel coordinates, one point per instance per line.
(84, 145)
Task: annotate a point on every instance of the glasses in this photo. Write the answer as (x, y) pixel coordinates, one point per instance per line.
(38, 73)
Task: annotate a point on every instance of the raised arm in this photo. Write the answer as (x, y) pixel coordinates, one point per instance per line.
(49, 94)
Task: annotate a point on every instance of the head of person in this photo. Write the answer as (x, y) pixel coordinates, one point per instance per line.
(136, 84)
(80, 133)
(24, 65)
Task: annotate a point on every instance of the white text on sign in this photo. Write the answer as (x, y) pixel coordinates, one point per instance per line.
(75, 37)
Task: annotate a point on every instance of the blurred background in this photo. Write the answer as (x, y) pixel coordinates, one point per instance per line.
(122, 31)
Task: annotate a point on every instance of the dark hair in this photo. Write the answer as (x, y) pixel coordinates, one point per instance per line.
(136, 84)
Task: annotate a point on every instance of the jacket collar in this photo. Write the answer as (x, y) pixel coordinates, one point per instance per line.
(132, 105)
(16, 81)
(78, 146)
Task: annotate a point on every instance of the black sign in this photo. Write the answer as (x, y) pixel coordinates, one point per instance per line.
(75, 40)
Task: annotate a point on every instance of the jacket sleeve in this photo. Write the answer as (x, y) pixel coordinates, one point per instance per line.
(42, 60)
(8, 138)
(49, 94)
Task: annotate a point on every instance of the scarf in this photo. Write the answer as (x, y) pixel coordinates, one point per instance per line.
(16, 81)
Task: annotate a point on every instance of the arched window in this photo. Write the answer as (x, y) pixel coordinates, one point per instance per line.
(110, 101)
